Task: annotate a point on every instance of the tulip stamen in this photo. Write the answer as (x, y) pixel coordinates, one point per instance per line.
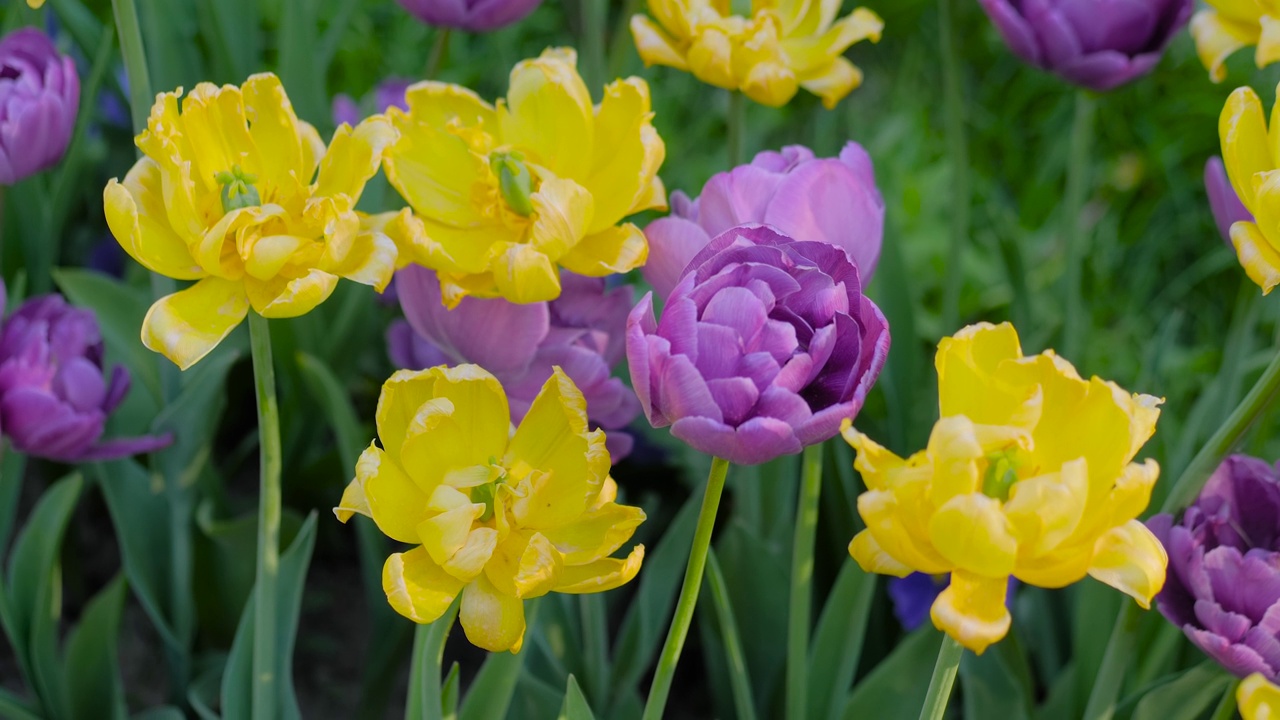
(1000, 477)
(514, 181)
(238, 189)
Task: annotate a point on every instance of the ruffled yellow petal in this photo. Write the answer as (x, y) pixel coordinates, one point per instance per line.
(552, 439)
(274, 129)
(371, 260)
(1261, 261)
(188, 324)
(395, 503)
(438, 104)
(137, 217)
(770, 83)
(217, 132)
(1245, 152)
(562, 211)
(710, 58)
(402, 397)
(601, 575)
(492, 621)
(972, 533)
(597, 533)
(522, 274)
(446, 533)
(972, 611)
(463, 424)
(970, 382)
(1218, 38)
(354, 156)
(1268, 41)
(353, 502)
(435, 171)
(527, 566)
(623, 159)
(286, 297)
(874, 559)
(886, 521)
(1047, 509)
(1130, 559)
(832, 82)
(612, 250)
(417, 587)
(1258, 699)
(469, 561)
(655, 46)
(548, 112)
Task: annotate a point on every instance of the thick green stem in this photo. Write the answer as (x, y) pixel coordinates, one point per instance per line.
(958, 159)
(135, 62)
(595, 641)
(593, 19)
(1073, 236)
(735, 125)
(424, 668)
(1260, 397)
(944, 676)
(738, 676)
(679, 629)
(1110, 678)
(802, 583)
(435, 61)
(265, 662)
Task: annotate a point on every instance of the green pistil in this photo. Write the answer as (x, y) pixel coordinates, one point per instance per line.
(514, 181)
(238, 189)
(1001, 476)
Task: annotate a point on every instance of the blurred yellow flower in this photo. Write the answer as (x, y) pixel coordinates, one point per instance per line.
(496, 517)
(36, 4)
(1027, 473)
(1251, 155)
(1258, 699)
(508, 194)
(238, 194)
(784, 45)
(1229, 25)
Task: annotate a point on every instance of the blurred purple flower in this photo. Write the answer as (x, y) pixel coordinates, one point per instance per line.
(1096, 44)
(470, 15)
(914, 594)
(1223, 585)
(1223, 200)
(39, 98)
(388, 93)
(764, 347)
(831, 200)
(581, 332)
(54, 400)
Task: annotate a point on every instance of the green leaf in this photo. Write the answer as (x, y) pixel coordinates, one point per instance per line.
(1185, 697)
(897, 686)
(193, 417)
(735, 664)
(425, 691)
(169, 36)
(15, 708)
(92, 665)
(991, 689)
(120, 309)
(450, 692)
(166, 712)
(237, 677)
(13, 467)
(838, 638)
(758, 577)
(575, 705)
(490, 693)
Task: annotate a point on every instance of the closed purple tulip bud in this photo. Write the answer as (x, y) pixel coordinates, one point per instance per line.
(470, 15)
(1096, 44)
(1223, 584)
(1223, 200)
(765, 345)
(54, 400)
(39, 98)
(580, 332)
(831, 200)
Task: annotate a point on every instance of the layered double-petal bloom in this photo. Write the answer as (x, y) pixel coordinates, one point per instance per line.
(470, 15)
(1224, 562)
(1096, 44)
(509, 194)
(1258, 699)
(39, 99)
(238, 194)
(1230, 25)
(54, 399)
(581, 332)
(764, 347)
(1223, 200)
(496, 517)
(782, 46)
(831, 200)
(1251, 155)
(1026, 474)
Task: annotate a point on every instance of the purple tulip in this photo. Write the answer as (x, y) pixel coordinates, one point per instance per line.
(1223, 585)
(54, 400)
(1223, 200)
(470, 15)
(831, 200)
(914, 594)
(581, 332)
(1096, 44)
(39, 98)
(388, 93)
(764, 347)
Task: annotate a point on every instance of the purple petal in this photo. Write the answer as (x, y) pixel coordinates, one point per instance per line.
(756, 441)
(736, 197)
(673, 242)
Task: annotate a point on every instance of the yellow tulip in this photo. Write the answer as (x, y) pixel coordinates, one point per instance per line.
(1258, 699)
(1027, 473)
(1229, 25)
(783, 46)
(495, 517)
(236, 193)
(508, 194)
(1251, 155)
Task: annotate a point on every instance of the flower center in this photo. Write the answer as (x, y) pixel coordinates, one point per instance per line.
(485, 493)
(514, 181)
(1001, 475)
(238, 189)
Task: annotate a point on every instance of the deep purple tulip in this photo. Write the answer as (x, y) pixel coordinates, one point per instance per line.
(1223, 585)
(54, 400)
(914, 594)
(388, 93)
(1096, 44)
(764, 347)
(39, 98)
(1223, 200)
(581, 332)
(470, 15)
(831, 200)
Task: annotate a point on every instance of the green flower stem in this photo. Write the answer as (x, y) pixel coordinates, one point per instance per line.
(265, 661)
(958, 155)
(435, 61)
(1072, 226)
(735, 126)
(1110, 678)
(593, 19)
(135, 62)
(424, 702)
(1260, 397)
(944, 676)
(595, 641)
(739, 678)
(688, 592)
(802, 583)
